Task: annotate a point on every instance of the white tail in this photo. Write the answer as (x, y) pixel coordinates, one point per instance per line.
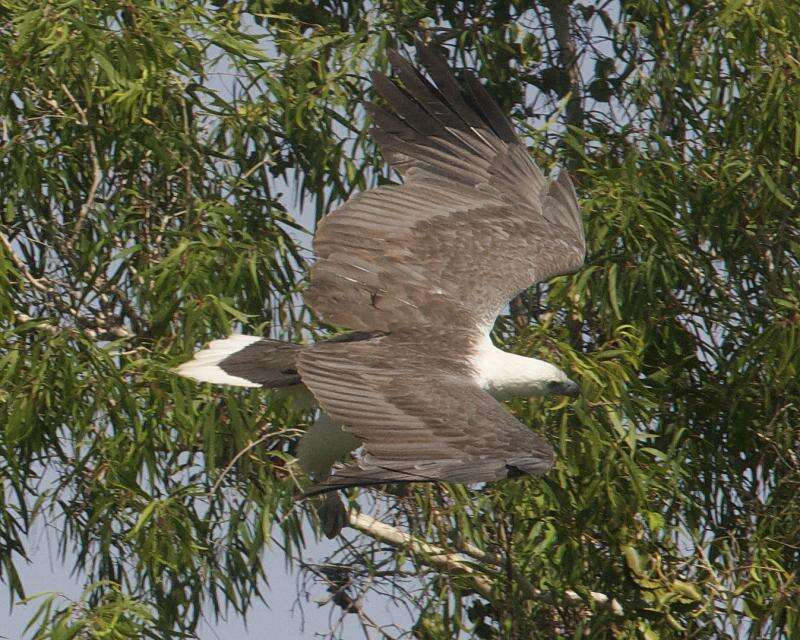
(204, 367)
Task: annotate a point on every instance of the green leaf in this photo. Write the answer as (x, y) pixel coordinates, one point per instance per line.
(687, 590)
(612, 290)
(144, 516)
(773, 188)
(633, 560)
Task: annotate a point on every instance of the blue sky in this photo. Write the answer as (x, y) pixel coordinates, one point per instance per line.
(281, 617)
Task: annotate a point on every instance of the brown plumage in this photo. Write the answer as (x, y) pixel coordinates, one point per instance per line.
(432, 262)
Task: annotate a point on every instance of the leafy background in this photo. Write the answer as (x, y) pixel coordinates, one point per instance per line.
(156, 158)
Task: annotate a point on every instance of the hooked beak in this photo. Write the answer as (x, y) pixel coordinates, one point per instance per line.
(570, 388)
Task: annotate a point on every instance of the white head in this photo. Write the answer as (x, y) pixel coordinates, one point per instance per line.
(507, 375)
(552, 381)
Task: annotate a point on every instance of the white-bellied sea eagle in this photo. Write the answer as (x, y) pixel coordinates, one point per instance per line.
(418, 272)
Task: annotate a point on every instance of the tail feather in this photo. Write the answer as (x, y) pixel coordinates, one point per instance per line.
(245, 361)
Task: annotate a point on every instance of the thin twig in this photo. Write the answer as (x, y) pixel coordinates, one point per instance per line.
(88, 205)
(20, 265)
(234, 460)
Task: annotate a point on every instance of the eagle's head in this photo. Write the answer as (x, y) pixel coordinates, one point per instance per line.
(552, 381)
(563, 387)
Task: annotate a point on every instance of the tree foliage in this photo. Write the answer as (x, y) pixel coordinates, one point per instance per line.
(156, 160)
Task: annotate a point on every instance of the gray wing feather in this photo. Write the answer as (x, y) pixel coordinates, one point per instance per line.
(474, 223)
(418, 420)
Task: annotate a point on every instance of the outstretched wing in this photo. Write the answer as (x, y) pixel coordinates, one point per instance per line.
(418, 420)
(474, 223)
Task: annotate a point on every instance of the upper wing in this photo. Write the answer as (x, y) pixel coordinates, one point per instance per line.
(474, 223)
(418, 421)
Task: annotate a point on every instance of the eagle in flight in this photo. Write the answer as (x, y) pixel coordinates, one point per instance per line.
(418, 273)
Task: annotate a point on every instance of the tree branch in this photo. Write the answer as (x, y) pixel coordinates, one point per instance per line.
(431, 554)
(440, 558)
(567, 58)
